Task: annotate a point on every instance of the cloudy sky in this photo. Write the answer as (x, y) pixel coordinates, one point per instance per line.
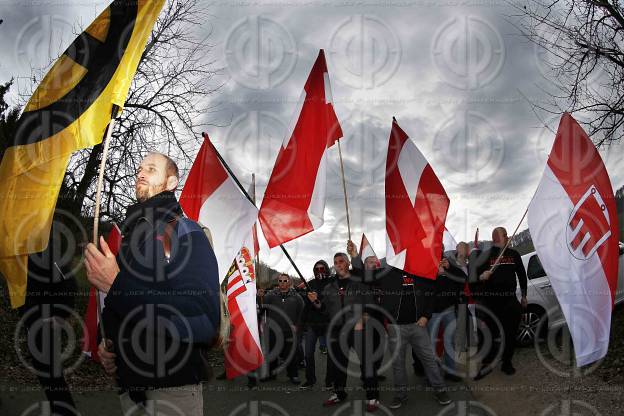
(459, 80)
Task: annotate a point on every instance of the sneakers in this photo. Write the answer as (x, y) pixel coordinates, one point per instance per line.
(442, 397)
(397, 402)
(323, 350)
(306, 385)
(508, 369)
(372, 405)
(295, 380)
(333, 400)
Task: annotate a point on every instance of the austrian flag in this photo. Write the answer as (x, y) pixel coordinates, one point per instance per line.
(416, 207)
(574, 227)
(294, 199)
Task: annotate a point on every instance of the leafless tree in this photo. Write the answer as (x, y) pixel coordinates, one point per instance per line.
(583, 44)
(166, 109)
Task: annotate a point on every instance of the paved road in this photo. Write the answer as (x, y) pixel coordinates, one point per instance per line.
(274, 398)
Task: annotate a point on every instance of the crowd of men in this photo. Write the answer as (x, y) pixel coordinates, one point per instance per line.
(366, 304)
(163, 296)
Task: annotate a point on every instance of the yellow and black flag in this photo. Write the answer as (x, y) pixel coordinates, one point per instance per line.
(69, 111)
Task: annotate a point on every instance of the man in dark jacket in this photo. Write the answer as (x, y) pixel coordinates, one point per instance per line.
(407, 299)
(283, 306)
(449, 292)
(162, 309)
(344, 302)
(314, 322)
(495, 289)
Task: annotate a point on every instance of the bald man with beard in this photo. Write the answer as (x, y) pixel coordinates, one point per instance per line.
(495, 289)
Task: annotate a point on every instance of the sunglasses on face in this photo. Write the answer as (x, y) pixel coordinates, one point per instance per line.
(283, 281)
(319, 269)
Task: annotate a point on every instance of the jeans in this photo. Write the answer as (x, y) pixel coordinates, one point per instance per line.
(399, 337)
(311, 336)
(442, 321)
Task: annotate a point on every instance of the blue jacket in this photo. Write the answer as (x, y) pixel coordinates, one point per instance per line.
(162, 313)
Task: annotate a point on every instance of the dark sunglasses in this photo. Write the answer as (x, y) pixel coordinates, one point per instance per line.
(319, 269)
(283, 281)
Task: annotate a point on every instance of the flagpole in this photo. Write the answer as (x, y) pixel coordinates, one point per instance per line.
(98, 197)
(495, 265)
(244, 191)
(253, 197)
(344, 188)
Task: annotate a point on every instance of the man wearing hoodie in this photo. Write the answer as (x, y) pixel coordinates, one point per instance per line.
(315, 322)
(162, 309)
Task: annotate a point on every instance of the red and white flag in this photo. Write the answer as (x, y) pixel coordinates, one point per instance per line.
(574, 227)
(211, 197)
(448, 240)
(294, 199)
(243, 352)
(92, 318)
(366, 250)
(416, 207)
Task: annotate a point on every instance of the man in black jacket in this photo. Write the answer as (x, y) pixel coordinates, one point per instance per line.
(449, 292)
(162, 309)
(315, 322)
(284, 307)
(495, 289)
(407, 299)
(344, 302)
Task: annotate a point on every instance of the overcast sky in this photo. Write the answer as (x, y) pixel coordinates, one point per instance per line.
(458, 79)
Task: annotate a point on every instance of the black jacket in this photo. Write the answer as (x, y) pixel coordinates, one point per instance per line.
(449, 287)
(389, 280)
(503, 283)
(344, 314)
(283, 309)
(312, 316)
(162, 315)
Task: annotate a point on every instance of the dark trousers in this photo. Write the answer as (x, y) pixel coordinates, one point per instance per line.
(508, 312)
(47, 361)
(283, 344)
(339, 361)
(313, 334)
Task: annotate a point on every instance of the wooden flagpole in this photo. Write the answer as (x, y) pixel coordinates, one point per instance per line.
(98, 198)
(495, 265)
(344, 188)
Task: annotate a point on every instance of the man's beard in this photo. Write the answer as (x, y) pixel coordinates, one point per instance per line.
(143, 192)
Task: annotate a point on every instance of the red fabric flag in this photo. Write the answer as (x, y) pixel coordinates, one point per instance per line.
(416, 207)
(89, 342)
(294, 200)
